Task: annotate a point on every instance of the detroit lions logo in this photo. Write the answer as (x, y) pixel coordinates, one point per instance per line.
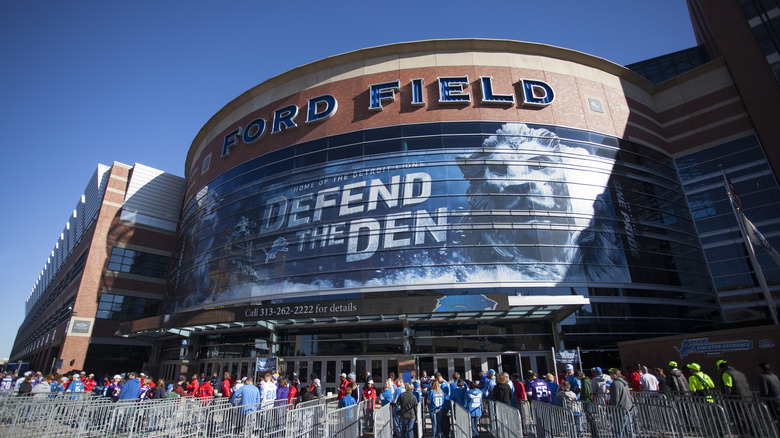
(279, 245)
(465, 303)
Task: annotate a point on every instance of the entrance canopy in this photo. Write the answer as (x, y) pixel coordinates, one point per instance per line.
(553, 308)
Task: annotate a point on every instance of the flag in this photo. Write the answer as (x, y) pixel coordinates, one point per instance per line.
(758, 239)
(733, 194)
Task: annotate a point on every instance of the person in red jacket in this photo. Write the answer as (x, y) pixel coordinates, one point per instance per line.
(205, 392)
(369, 395)
(192, 388)
(89, 383)
(292, 396)
(342, 387)
(634, 377)
(226, 385)
(519, 387)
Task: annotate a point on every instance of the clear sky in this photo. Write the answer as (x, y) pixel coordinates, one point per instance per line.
(87, 82)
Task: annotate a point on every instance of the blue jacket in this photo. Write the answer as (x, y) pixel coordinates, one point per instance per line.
(131, 390)
(347, 400)
(458, 395)
(387, 396)
(446, 390)
(249, 397)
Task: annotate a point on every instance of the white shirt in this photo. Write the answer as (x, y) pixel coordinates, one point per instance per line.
(648, 382)
(267, 394)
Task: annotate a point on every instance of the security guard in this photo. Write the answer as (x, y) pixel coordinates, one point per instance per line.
(699, 383)
(732, 382)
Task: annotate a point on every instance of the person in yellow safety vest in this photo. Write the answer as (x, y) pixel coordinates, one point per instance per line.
(699, 383)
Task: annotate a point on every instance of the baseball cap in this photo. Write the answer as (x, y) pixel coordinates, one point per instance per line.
(170, 387)
(416, 384)
(370, 382)
(721, 362)
(76, 376)
(117, 377)
(343, 374)
(491, 371)
(694, 366)
(351, 376)
(598, 370)
(569, 366)
(673, 364)
(64, 379)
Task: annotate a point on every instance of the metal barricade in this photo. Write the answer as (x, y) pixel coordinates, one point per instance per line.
(317, 401)
(639, 397)
(229, 421)
(654, 418)
(307, 421)
(489, 415)
(524, 406)
(461, 422)
(268, 422)
(553, 421)
(509, 423)
(607, 421)
(383, 422)
(345, 422)
(702, 417)
(747, 416)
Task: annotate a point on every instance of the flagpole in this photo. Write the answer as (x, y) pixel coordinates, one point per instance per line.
(751, 251)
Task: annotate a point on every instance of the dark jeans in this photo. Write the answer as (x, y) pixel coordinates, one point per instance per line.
(407, 427)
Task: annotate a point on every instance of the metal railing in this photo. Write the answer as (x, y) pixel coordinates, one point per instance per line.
(383, 422)
(461, 422)
(552, 421)
(345, 422)
(652, 415)
(608, 421)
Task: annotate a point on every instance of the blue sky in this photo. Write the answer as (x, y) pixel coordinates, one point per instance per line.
(88, 82)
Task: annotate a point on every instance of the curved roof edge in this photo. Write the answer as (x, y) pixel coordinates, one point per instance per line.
(468, 44)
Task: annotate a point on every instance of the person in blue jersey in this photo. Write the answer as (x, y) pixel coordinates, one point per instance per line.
(458, 390)
(435, 408)
(490, 383)
(474, 406)
(60, 386)
(446, 390)
(417, 391)
(386, 397)
(552, 384)
(76, 385)
(398, 389)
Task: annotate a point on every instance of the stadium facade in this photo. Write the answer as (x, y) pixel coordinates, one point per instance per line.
(464, 205)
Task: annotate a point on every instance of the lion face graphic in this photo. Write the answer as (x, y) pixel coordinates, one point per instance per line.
(520, 202)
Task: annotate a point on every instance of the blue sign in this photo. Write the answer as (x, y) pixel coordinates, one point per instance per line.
(266, 364)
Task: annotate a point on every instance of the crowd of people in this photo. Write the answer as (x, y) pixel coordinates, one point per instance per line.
(435, 393)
